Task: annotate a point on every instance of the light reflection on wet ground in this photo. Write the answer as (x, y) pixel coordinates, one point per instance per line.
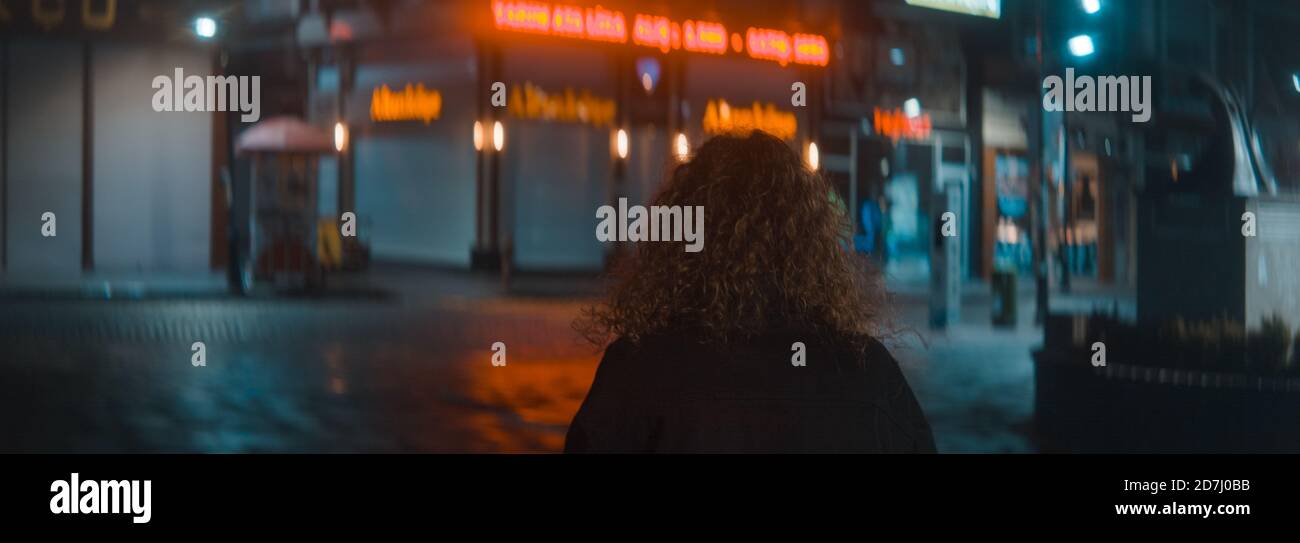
(340, 376)
(526, 405)
(420, 381)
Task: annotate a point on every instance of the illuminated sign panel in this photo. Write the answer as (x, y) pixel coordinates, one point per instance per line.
(412, 103)
(981, 8)
(721, 118)
(896, 125)
(596, 23)
(567, 21)
(769, 44)
(811, 49)
(655, 32)
(523, 16)
(532, 102)
(606, 25)
(704, 37)
(662, 33)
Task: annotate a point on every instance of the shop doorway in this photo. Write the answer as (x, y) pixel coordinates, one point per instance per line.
(916, 194)
(555, 175)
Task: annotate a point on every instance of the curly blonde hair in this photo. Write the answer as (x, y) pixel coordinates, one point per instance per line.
(778, 254)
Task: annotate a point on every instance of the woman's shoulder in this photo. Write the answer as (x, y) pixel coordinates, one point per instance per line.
(890, 387)
(656, 373)
(845, 355)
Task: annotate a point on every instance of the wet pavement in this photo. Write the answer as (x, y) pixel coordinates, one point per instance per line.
(409, 372)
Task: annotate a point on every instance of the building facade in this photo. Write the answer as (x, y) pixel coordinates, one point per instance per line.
(93, 179)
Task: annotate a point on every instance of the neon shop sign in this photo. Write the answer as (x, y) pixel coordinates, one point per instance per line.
(723, 118)
(710, 37)
(48, 14)
(896, 125)
(570, 106)
(410, 103)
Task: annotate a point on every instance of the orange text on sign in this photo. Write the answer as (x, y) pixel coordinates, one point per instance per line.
(659, 32)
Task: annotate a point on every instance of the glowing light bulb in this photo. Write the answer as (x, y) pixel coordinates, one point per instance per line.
(340, 137)
(682, 148)
(621, 143)
(912, 108)
(1081, 45)
(205, 27)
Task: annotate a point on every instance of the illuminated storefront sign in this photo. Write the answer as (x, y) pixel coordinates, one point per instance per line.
(896, 125)
(567, 21)
(783, 48)
(411, 103)
(523, 16)
(48, 15)
(530, 101)
(811, 49)
(605, 25)
(704, 37)
(596, 23)
(981, 8)
(662, 33)
(769, 44)
(655, 32)
(722, 118)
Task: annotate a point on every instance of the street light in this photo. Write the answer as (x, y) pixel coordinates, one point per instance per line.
(620, 143)
(912, 108)
(498, 136)
(205, 27)
(340, 137)
(478, 136)
(814, 159)
(682, 147)
(1081, 45)
(1091, 6)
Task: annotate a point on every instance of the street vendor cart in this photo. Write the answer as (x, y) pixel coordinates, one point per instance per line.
(289, 244)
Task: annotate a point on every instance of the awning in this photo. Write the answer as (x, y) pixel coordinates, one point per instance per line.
(284, 135)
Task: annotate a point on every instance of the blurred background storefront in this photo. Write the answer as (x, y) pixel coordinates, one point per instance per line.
(408, 168)
(597, 103)
(904, 101)
(916, 108)
(908, 105)
(938, 97)
(131, 190)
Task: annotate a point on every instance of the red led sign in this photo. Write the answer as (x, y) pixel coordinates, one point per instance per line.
(567, 21)
(606, 25)
(704, 37)
(596, 23)
(600, 24)
(811, 49)
(896, 125)
(769, 44)
(657, 32)
(523, 16)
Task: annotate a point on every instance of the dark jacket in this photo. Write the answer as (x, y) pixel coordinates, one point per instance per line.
(673, 393)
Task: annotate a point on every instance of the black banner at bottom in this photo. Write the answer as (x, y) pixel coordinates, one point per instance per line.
(323, 493)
